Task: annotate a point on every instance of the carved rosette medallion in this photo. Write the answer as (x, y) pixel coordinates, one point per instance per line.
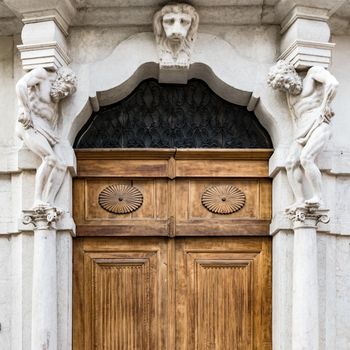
(120, 199)
(223, 199)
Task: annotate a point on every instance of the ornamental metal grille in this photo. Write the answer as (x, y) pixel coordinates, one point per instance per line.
(173, 116)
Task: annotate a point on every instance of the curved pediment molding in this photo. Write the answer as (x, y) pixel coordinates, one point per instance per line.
(233, 77)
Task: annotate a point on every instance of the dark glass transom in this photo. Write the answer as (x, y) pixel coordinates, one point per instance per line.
(173, 116)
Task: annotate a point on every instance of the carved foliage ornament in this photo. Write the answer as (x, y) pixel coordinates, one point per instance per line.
(43, 218)
(224, 199)
(120, 199)
(175, 28)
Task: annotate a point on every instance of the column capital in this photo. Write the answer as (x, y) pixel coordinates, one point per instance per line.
(46, 25)
(42, 217)
(62, 12)
(307, 216)
(305, 36)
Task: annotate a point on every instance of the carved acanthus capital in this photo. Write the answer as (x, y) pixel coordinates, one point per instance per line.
(42, 217)
(175, 28)
(307, 216)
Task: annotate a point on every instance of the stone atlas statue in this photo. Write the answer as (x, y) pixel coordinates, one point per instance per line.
(39, 93)
(175, 28)
(309, 101)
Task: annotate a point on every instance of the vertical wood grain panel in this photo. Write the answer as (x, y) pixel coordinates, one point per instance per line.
(120, 294)
(121, 300)
(223, 294)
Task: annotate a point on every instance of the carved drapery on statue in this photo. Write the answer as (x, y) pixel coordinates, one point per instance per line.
(167, 115)
(309, 100)
(175, 28)
(39, 93)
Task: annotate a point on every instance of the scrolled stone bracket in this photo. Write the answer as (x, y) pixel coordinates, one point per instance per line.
(308, 216)
(42, 218)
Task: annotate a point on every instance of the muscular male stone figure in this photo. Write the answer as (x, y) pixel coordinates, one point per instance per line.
(39, 93)
(309, 102)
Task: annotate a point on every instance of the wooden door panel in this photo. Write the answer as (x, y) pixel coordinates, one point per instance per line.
(223, 294)
(172, 182)
(120, 294)
(152, 218)
(194, 219)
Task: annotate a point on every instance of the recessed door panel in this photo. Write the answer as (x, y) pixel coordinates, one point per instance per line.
(223, 291)
(120, 294)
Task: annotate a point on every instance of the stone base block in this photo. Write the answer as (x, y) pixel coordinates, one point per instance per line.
(48, 55)
(304, 54)
(173, 75)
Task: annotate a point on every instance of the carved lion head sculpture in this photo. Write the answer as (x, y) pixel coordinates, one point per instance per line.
(175, 27)
(282, 76)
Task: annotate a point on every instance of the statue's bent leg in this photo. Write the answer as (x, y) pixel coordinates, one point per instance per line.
(38, 144)
(294, 174)
(54, 182)
(312, 149)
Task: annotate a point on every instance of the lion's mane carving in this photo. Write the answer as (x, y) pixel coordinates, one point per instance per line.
(175, 28)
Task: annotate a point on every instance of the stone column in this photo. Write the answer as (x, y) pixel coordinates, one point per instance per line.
(44, 293)
(305, 324)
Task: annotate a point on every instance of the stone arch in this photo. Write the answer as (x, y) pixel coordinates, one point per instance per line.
(135, 59)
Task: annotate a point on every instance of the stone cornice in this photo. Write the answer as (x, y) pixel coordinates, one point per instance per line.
(64, 10)
(284, 8)
(303, 13)
(67, 12)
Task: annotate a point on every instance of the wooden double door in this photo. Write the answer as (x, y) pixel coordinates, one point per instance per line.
(172, 275)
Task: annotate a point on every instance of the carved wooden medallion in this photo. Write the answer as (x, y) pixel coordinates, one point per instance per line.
(223, 199)
(120, 199)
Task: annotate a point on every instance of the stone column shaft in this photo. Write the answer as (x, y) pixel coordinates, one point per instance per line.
(44, 302)
(305, 289)
(44, 293)
(305, 321)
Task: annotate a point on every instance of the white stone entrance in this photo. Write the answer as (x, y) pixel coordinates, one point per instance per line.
(234, 72)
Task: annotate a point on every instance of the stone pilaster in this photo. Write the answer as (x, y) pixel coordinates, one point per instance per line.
(305, 321)
(46, 25)
(305, 38)
(44, 293)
